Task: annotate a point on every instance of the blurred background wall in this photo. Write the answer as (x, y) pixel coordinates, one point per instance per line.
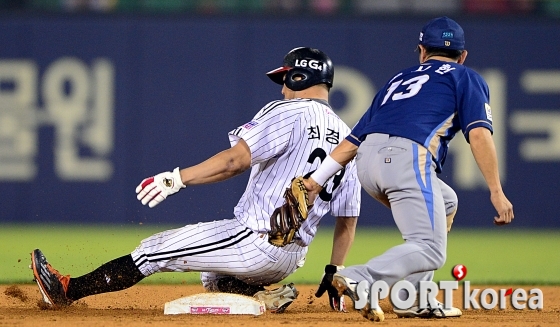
(96, 95)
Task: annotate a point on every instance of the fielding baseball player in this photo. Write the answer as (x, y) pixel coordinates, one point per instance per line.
(286, 137)
(401, 143)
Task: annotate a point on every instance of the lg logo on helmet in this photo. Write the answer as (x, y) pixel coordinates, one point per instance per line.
(313, 64)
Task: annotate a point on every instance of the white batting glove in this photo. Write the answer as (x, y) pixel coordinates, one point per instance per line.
(155, 189)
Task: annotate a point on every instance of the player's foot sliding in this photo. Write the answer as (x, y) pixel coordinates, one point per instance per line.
(59, 291)
(276, 300)
(52, 284)
(279, 299)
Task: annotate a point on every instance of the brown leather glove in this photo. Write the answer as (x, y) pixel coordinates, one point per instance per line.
(286, 220)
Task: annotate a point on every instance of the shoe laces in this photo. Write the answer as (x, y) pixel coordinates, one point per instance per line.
(64, 280)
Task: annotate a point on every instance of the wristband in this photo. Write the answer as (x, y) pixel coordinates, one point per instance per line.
(328, 167)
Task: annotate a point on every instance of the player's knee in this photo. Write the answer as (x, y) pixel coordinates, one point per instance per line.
(440, 261)
(451, 208)
(451, 205)
(437, 255)
(439, 258)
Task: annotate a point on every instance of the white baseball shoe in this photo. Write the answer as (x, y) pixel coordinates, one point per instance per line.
(438, 312)
(347, 286)
(279, 299)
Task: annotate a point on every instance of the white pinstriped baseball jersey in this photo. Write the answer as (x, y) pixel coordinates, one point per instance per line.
(289, 138)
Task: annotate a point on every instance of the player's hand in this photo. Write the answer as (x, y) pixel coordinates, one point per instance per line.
(503, 207)
(313, 189)
(155, 189)
(336, 302)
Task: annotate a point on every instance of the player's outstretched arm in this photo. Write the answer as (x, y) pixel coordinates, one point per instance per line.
(484, 152)
(343, 237)
(226, 164)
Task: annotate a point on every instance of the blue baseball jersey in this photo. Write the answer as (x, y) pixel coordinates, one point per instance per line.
(428, 103)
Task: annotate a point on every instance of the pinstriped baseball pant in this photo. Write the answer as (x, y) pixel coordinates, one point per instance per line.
(218, 248)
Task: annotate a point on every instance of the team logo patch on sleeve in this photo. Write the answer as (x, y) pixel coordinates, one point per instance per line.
(251, 124)
(488, 111)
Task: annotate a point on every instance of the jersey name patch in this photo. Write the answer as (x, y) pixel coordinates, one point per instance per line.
(446, 68)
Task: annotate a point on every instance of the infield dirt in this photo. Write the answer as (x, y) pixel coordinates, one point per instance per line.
(142, 305)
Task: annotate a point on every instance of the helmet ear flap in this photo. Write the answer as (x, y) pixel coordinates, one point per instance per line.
(297, 79)
(303, 68)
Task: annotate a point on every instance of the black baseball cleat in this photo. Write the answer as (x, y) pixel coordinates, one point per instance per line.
(52, 284)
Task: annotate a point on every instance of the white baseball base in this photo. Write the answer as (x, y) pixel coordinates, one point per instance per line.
(215, 303)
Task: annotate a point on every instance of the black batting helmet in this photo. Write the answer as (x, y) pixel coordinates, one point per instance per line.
(311, 65)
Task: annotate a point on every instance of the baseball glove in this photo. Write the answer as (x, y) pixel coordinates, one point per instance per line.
(286, 220)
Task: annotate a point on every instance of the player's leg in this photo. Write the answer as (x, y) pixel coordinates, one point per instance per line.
(451, 202)
(60, 290)
(115, 275)
(214, 282)
(404, 172)
(198, 247)
(400, 173)
(240, 260)
(224, 247)
(276, 300)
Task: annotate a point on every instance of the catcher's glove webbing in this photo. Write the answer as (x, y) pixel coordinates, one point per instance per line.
(286, 220)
